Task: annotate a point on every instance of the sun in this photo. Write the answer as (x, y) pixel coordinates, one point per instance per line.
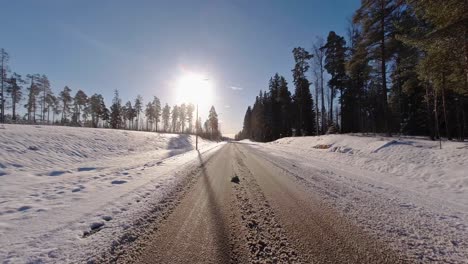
(194, 88)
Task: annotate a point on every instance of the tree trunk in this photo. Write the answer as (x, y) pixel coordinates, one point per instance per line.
(430, 124)
(332, 91)
(323, 97)
(13, 104)
(384, 72)
(43, 105)
(436, 118)
(341, 110)
(2, 110)
(447, 132)
(316, 109)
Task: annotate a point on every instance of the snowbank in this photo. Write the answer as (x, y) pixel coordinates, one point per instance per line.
(415, 164)
(58, 185)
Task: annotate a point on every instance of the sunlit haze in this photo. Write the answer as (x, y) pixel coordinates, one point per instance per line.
(194, 88)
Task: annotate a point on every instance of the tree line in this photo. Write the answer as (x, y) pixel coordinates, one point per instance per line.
(402, 68)
(44, 107)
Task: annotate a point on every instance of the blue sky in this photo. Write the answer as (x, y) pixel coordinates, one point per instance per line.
(141, 47)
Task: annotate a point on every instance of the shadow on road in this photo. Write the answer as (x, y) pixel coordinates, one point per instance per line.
(216, 215)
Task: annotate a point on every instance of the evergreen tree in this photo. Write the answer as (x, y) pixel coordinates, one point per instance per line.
(138, 109)
(376, 18)
(50, 103)
(175, 116)
(44, 87)
(284, 97)
(442, 68)
(66, 100)
(166, 113)
(130, 113)
(33, 92)
(149, 113)
(4, 58)
(247, 127)
(189, 115)
(305, 119)
(319, 70)
(356, 108)
(335, 66)
(80, 100)
(182, 116)
(116, 111)
(15, 91)
(213, 124)
(156, 111)
(97, 109)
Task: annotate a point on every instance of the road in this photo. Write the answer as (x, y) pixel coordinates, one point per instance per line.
(267, 217)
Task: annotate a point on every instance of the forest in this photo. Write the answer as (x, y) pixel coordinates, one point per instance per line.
(402, 68)
(42, 106)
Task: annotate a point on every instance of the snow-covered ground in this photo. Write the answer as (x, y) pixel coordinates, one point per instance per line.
(415, 164)
(405, 191)
(59, 184)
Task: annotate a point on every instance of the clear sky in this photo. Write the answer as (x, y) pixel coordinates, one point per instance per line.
(142, 47)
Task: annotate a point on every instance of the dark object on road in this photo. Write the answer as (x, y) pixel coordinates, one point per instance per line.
(235, 179)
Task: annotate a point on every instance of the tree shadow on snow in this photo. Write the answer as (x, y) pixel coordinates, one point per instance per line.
(180, 144)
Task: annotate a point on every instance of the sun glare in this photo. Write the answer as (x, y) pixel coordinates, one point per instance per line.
(194, 88)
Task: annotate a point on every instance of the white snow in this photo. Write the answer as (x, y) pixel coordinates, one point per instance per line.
(406, 192)
(415, 164)
(59, 183)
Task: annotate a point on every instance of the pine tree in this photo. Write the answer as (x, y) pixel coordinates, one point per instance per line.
(156, 111)
(213, 124)
(182, 116)
(149, 113)
(166, 113)
(175, 116)
(80, 100)
(66, 100)
(285, 108)
(335, 51)
(44, 87)
(50, 103)
(4, 58)
(442, 68)
(138, 109)
(305, 119)
(247, 127)
(189, 115)
(33, 92)
(15, 91)
(376, 18)
(319, 70)
(129, 113)
(97, 109)
(116, 111)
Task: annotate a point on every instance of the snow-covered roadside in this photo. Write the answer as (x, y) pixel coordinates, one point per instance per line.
(59, 185)
(406, 192)
(413, 164)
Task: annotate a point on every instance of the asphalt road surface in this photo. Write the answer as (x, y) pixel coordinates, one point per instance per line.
(266, 217)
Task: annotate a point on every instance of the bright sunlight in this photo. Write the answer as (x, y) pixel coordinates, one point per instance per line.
(194, 88)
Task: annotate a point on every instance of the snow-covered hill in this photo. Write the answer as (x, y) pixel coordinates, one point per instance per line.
(415, 164)
(59, 183)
